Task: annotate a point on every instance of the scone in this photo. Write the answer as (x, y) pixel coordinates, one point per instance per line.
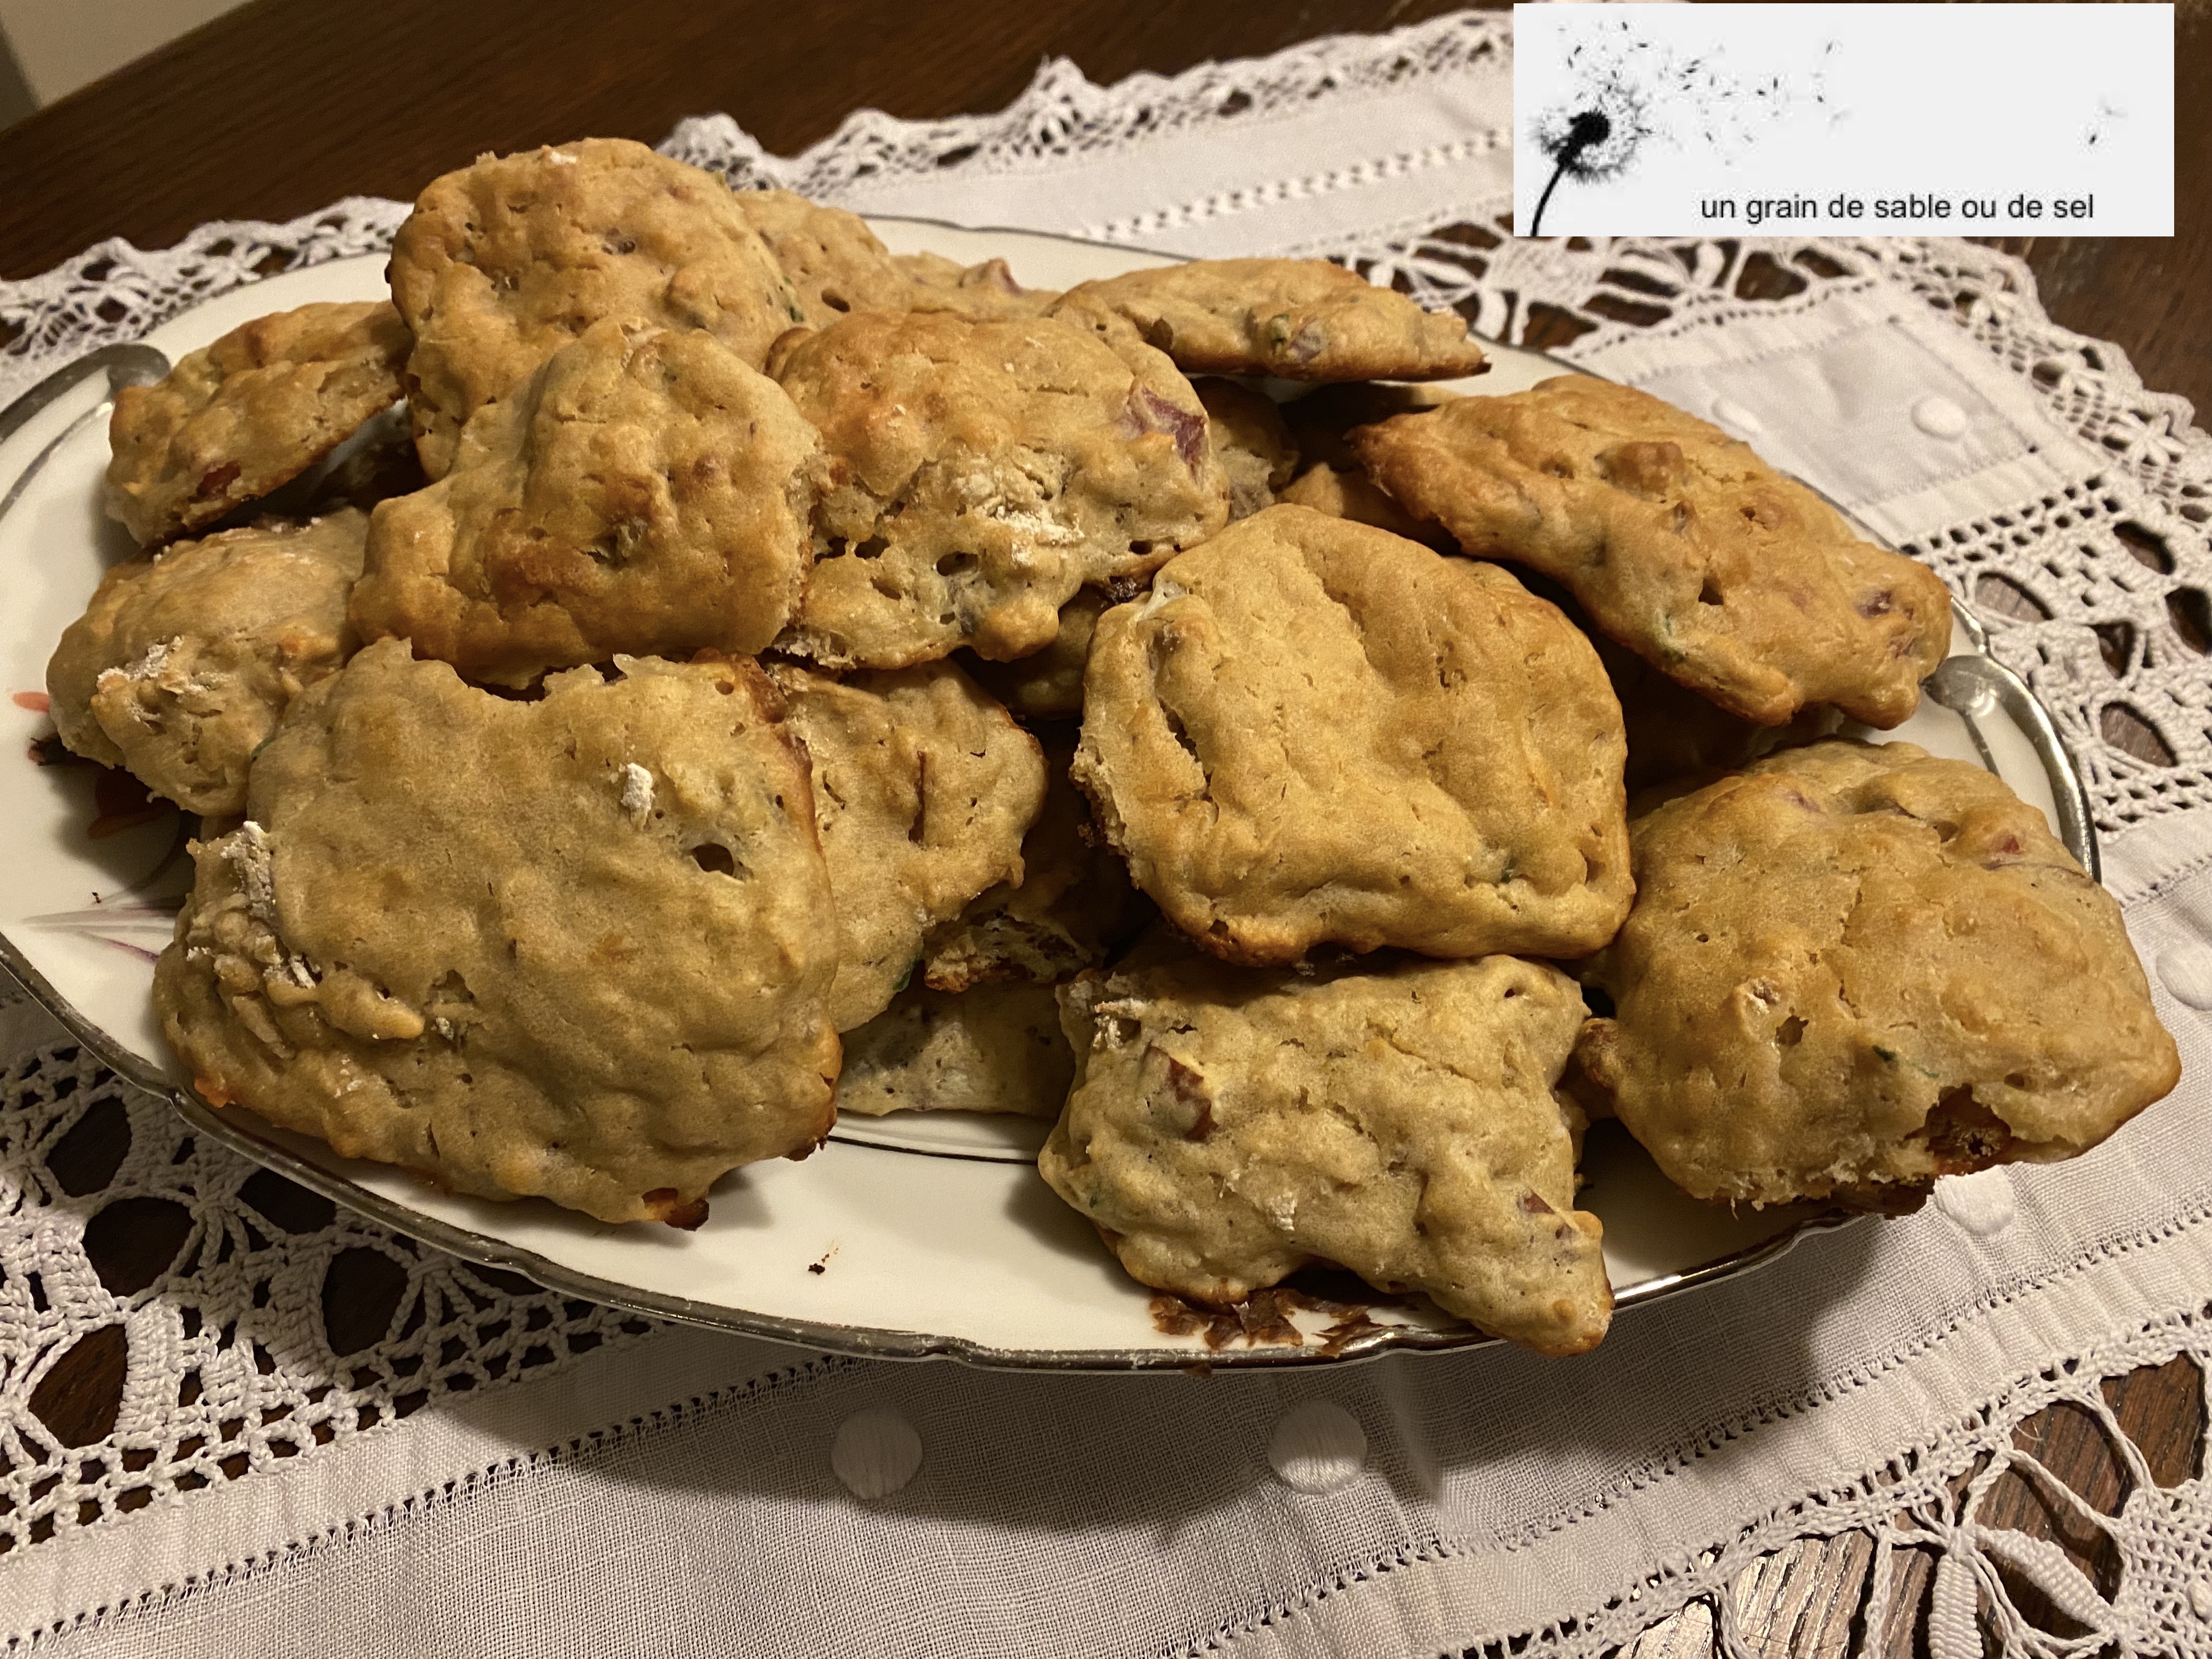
(1726, 576)
(180, 665)
(235, 420)
(503, 263)
(832, 261)
(1227, 1126)
(982, 473)
(645, 492)
(994, 1048)
(1312, 732)
(1072, 907)
(984, 292)
(924, 789)
(578, 948)
(1254, 446)
(1300, 320)
(1852, 968)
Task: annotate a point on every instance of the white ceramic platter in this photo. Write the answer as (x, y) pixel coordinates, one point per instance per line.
(902, 1237)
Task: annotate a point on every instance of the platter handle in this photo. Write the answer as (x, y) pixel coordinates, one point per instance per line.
(123, 365)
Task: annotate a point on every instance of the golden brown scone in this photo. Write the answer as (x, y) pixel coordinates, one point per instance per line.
(1851, 969)
(1073, 905)
(503, 263)
(1300, 320)
(833, 261)
(1313, 730)
(645, 492)
(923, 788)
(1251, 440)
(1048, 684)
(986, 292)
(234, 420)
(1348, 494)
(181, 664)
(578, 948)
(995, 1048)
(1727, 577)
(1227, 1126)
(982, 472)
(1322, 420)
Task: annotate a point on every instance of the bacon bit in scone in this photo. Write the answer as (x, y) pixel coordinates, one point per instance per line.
(1188, 1085)
(38, 702)
(1148, 411)
(216, 480)
(661, 1204)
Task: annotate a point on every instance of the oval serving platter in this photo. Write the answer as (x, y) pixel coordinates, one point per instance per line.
(902, 1237)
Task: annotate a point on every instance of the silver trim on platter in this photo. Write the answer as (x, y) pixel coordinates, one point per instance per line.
(1979, 684)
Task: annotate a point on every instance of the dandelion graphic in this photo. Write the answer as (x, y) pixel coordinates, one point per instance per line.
(1628, 92)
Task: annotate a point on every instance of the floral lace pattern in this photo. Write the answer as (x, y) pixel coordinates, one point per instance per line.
(274, 1324)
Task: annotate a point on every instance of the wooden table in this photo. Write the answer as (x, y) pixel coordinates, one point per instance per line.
(285, 105)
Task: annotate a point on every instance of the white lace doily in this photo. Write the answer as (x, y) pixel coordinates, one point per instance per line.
(227, 1359)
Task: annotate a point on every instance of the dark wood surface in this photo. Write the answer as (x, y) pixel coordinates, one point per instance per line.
(285, 105)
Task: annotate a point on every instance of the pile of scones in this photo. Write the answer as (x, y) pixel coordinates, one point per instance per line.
(725, 674)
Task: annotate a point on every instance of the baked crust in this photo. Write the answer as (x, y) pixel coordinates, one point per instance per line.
(924, 789)
(645, 492)
(1228, 1127)
(504, 262)
(982, 473)
(1300, 320)
(234, 420)
(1679, 541)
(181, 665)
(1312, 731)
(995, 1048)
(578, 948)
(1851, 969)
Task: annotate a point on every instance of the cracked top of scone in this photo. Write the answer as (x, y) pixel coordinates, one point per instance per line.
(982, 472)
(1313, 730)
(1401, 1120)
(645, 492)
(1679, 541)
(1299, 319)
(503, 263)
(1851, 969)
(1071, 906)
(924, 788)
(234, 420)
(181, 664)
(833, 261)
(994, 1048)
(577, 948)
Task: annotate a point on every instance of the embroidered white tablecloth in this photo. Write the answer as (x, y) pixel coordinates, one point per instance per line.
(498, 1471)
